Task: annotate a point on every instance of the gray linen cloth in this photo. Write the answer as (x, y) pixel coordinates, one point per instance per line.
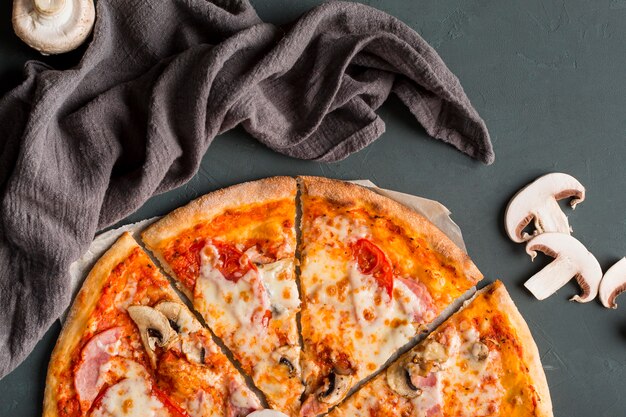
(84, 147)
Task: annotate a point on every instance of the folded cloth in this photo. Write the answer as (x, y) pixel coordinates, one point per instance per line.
(85, 147)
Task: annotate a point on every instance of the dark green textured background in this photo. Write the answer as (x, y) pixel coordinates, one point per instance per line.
(549, 78)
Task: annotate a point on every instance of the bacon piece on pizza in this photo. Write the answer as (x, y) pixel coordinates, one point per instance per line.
(373, 274)
(131, 347)
(233, 253)
(482, 361)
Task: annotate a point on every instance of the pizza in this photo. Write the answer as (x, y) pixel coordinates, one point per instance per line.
(374, 272)
(480, 362)
(310, 286)
(233, 254)
(130, 347)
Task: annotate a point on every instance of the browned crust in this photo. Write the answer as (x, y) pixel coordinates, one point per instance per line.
(346, 193)
(76, 321)
(214, 203)
(530, 353)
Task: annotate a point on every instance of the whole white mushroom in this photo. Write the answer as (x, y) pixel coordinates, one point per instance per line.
(53, 26)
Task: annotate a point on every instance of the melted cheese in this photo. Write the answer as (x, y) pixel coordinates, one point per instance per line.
(232, 310)
(235, 304)
(281, 288)
(365, 322)
(464, 387)
(117, 368)
(130, 398)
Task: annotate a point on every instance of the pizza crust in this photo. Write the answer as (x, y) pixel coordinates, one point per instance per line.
(530, 355)
(214, 203)
(346, 193)
(76, 321)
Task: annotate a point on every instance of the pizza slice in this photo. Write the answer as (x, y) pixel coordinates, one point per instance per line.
(373, 274)
(482, 361)
(131, 347)
(233, 253)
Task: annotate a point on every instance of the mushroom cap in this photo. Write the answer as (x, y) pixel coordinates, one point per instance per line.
(289, 356)
(53, 26)
(335, 388)
(154, 328)
(398, 378)
(571, 260)
(538, 201)
(613, 284)
(180, 315)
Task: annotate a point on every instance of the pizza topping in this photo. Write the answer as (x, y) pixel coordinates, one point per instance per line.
(284, 361)
(174, 409)
(289, 356)
(280, 285)
(430, 357)
(95, 353)
(230, 261)
(241, 401)
(399, 379)
(538, 201)
(480, 351)
(371, 260)
(339, 228)
(130, 397)
(194, 351)
(181, 320)
(154, 328)
(572, 259)
(248, 303)
(334, 388)
(613, 284)
(416, 300)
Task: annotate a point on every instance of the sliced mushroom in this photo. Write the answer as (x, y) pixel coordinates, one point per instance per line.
(571, 259)
(479, 351)
(53, 26)
(433, 351)
(429, 357)
(289, 356)
(334, 389)
(399, 379)
(154, 328)
(613, 284)
(179, 316)
(538, 201)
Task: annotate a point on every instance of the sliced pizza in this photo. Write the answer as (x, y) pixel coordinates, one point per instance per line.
(130, 347)
(373, 274)
(481, 362)
(233, 253)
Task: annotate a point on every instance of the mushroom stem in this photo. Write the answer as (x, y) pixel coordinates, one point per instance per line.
(49, 7)
(547, 281)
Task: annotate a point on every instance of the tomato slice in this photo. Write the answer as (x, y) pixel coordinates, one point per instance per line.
(98, 400)
(232, 266)
(174, 409)
(372, 261)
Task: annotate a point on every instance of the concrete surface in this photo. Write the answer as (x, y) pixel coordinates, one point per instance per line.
(549, 79)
